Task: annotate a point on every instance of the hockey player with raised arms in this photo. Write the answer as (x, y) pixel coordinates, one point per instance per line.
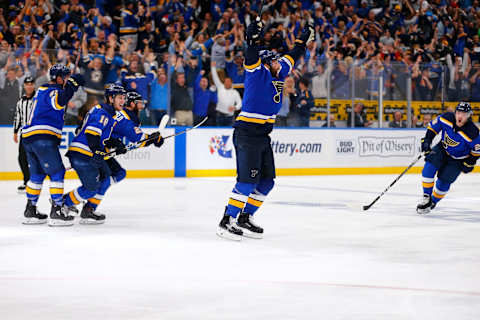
(457, 152)
(87, 152)
(264, 79)
(42, 136)
(128, 126)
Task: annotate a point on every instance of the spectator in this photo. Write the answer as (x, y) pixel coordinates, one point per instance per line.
(397, 121)
(202, 98)
(302, 104)
(72, 112)
(129, 24)
(10, 88)
(135, 80)
(236, 71)
(159, 96)
(360, 119)
(426, 120)
(229, 99)
(181, 103)
(288, 93)
(332, 122)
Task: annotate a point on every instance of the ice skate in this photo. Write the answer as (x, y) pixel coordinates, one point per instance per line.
(248, 227)
(22, 189)
(226, 229)
(88, 216)
(59, 217)
(32, 216)
(426, 205)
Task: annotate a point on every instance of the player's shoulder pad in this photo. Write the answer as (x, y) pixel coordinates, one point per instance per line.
(471, 130)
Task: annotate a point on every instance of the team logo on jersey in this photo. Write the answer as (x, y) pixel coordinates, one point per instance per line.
(253, 173)
(278, 85)
(218, 144)
(449, 142)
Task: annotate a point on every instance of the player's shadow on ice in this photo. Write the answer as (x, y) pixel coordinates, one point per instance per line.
(454, 214)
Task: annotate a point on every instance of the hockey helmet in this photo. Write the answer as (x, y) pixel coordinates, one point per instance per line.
(59, 70)
(464, 107)
(268, 56)
(113, 90)
(133, 96)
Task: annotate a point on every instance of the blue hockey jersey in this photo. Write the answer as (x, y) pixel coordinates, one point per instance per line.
(99, 121)
(129, 22)
(128, 126)
(263, 95)
(47, 115)
(459, 143)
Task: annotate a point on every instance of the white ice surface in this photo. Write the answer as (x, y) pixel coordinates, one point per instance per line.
(157, 256)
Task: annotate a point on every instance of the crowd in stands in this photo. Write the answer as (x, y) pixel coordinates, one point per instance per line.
(186, 57)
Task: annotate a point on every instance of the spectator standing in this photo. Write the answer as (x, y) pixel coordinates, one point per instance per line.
(129, 24)
(10, 88)
(302, 105)
(22, 113)
(229, 99)
(202, 98)
(288, 93)
(159, 96)
(181, 103)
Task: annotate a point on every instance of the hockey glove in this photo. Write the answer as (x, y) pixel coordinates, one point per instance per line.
(117, 144)
(97, 159)
(468, 164)
(155, 138)
(307, 36)
(253, 32)
(426, 149)
(76, 81)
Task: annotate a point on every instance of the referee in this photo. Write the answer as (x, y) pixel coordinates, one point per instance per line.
(22, 112)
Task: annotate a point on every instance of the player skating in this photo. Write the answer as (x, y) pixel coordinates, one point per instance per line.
(264, 78)
(87, 152)
(457, 152)
(41, 137)
(128, 126)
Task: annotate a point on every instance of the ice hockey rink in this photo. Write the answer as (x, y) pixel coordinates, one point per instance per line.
(158, 257)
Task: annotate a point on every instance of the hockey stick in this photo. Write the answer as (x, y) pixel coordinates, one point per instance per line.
(394, 181)
(134, 146)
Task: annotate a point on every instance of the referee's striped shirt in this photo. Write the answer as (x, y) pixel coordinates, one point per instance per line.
(22, 112)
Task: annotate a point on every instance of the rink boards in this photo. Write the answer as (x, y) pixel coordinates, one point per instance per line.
(210, 152)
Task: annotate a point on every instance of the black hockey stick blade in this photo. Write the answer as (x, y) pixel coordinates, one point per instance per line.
(365, 208)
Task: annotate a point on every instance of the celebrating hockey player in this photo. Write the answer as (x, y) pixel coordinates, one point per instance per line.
(264, 78)
(128, 125)
(87, 152)
(457, 152)
(41, 137)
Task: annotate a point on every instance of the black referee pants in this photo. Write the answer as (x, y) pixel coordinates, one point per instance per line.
(22, 161)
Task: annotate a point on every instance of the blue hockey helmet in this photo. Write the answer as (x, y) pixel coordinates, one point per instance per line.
(59, 70)
(268, 56)
(464, 107)
(113, 90)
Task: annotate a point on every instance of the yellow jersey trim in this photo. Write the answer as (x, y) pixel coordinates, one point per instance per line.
(448, 123)
(464, 136)
(255, 120)
(28, 134)
(290, 59)
(253, 66)
(93, 133)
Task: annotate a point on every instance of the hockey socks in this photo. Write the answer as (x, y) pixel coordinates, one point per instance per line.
(257, 197)
(441, 189)
(428, 178)
(238, 198)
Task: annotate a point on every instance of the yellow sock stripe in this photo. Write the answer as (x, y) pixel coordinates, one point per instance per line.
(236, 203)
(33, 191)
(439, 196)
(428, 184)
(254, 202)
(56, 190)
(73, 198)
(95, 201)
